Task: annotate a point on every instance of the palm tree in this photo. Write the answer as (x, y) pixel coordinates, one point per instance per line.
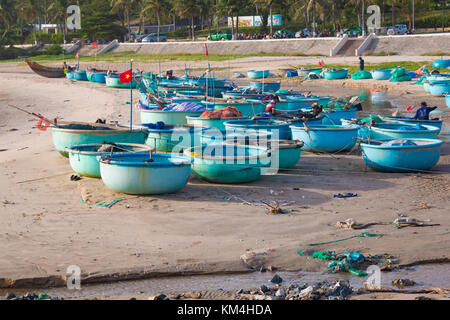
(125, 6)
(156, 6)
(188, 9)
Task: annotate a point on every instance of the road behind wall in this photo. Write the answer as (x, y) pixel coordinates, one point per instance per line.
(399, 45)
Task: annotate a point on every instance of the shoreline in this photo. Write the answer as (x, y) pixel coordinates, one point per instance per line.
(46, 228)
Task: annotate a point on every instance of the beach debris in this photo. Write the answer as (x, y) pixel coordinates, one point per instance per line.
(361, 235)
(263, 288)
(31, 296)
(10, 295)
(271, 268)
(238, 75)
(253, 256)
(346, 195)
(75, 177)
(274, 207)
(158, 297)
(276, 279)
(400, 283)
(412, 222)
(280, 293)
(350, 224)
(276, 193)
(262, 269)
(7, 202)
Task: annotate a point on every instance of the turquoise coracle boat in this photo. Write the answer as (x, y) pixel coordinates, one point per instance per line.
(220, 163)
(210, 123)
(279, 129)
(84, 158)
(251, 137)
(145, 173)
(247, 109)
(442, 63)
(68, 134)
(285, 153)
(325, 138)
(171, 118)
(252, 74)
(80, 75)
(268, 86)
(439, 88)
(113, 81)
(447, 100)
(333, 74)
(434, 123)
(387, 130)
(382, 74)
(70, 75)
(401, 155)
(96, 76)
(173, 139)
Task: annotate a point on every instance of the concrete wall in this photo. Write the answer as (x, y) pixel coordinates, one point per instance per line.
(412, 44)
(290, 46)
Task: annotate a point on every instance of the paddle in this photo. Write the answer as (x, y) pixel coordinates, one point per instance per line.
(42, 118)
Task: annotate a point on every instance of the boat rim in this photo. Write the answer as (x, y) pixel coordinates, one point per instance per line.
(428, 129)
(433, 143)
(325, 127)
(112, 128)
(72, 149)
(183, 160)
(264, 154)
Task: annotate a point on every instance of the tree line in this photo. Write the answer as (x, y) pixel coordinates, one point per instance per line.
(112, 18)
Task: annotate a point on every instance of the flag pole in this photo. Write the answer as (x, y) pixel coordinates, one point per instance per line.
(131, 95)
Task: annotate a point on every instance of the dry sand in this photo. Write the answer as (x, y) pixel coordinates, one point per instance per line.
(44, 228)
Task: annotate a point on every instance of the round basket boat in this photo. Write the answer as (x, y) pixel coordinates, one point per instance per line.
(84, 157)
(96, 76)
(279, 129)
(388, 130)
(434, 123)
(252, 74)
(80, 75)
(325, 138)
(439, 88)
(382, 74)
(401, 155)
(145, 173)
(210, 123)
(216, 136)
(68, 134)
(221, 163)
(333, 74)
(173, 139)
(168, 117)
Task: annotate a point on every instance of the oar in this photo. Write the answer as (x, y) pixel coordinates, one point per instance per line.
(35, 114)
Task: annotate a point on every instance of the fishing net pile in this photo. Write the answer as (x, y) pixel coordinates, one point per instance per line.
(227, 112)
(185, 106)
(362, 75)
(400, 74)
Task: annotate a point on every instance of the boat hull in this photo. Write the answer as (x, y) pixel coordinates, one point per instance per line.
(402, 158)
(134, 175)
(325, 138)
(64, 138)
(279, 129)
(335, 74)
(171, 118)
(382, 74)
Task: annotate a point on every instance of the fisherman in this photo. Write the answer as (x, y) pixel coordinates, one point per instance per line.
(169, 75)
(314, 114)
(424, 112)
(361, 64)
(271, 107)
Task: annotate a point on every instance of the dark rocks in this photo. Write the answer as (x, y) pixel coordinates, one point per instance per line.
(263, 288)
(262, 269)
(10, 296)
(276, 279)
(161, 297)
(341, 289)
(280, 293)
(400, 283)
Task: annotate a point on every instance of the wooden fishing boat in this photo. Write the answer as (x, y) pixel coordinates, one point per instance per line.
(48, 72)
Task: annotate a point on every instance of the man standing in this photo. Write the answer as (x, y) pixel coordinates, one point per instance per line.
(424, 112)
(361, 64)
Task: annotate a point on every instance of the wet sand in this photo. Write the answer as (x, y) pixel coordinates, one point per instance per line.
(201, 229)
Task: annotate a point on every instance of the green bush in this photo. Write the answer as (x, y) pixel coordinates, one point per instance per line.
(54, 50)
(11, 52)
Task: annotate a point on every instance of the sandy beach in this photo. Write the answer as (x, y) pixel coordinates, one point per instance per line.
(204, 228)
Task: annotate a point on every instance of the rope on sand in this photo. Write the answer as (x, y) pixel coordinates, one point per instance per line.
(361, 235)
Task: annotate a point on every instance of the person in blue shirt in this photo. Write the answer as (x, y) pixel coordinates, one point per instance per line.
(424, 112)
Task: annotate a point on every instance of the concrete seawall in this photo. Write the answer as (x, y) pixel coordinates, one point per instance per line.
(320, 46)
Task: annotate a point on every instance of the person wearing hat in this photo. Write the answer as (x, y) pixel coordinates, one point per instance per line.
(424, 112)
(361, 64)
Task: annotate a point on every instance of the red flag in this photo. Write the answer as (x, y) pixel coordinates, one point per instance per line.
(42, 124)
(126, 76)
(206, 47)
(409, 108)
(94, 44)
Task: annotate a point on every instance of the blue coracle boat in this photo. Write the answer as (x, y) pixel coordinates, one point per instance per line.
(252, 74)
(80, 75)
(382, 74)
(325, 138)
(84, 158)
(145, 173)
(401, 155)
(279, 129)
(229, 163)
(439, 88)
(68, 134)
